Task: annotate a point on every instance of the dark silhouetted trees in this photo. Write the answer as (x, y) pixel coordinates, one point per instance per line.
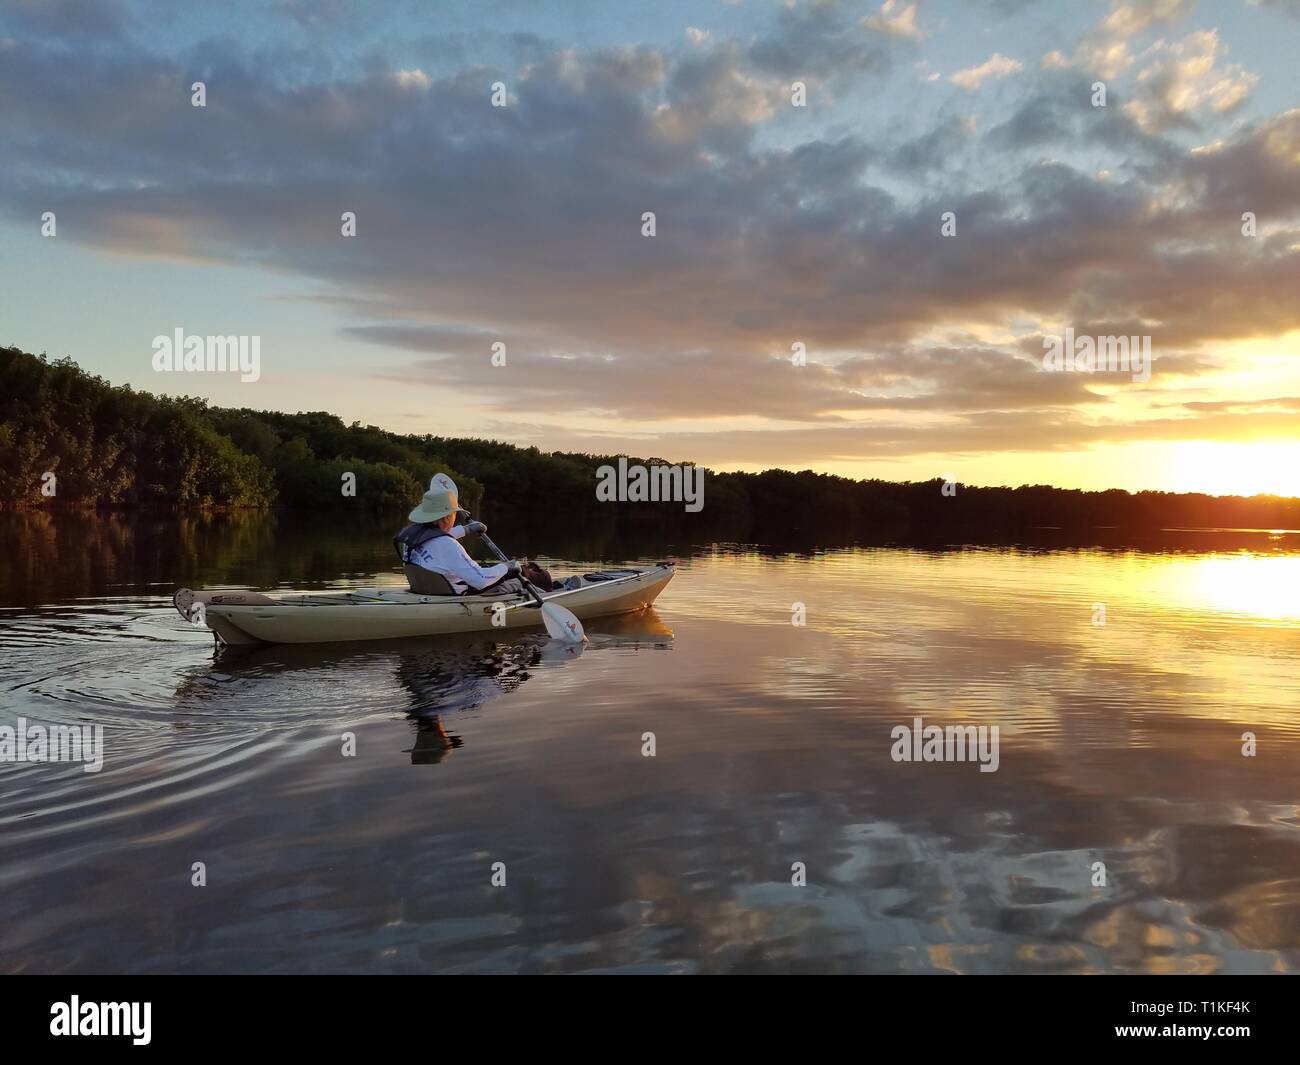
(113, 446)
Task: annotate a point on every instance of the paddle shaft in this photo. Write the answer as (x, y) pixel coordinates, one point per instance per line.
(502, 556)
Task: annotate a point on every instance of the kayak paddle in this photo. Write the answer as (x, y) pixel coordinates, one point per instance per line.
(561, 624)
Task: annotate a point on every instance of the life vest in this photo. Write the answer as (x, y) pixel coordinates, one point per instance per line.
(414, 536)
(422, 581)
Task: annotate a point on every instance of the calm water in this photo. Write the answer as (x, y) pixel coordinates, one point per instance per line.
(1120, 743)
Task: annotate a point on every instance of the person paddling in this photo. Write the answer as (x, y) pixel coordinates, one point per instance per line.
(432, 557)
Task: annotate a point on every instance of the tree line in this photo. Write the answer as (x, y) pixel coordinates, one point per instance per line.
(101, 445)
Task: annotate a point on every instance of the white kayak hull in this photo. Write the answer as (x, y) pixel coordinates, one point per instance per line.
(394, 613)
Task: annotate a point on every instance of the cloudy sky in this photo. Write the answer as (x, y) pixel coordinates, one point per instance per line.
(776, 224)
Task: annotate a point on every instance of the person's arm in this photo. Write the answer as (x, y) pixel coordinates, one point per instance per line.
(454, 562)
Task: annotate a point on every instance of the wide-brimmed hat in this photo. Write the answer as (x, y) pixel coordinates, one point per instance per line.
(441, 499)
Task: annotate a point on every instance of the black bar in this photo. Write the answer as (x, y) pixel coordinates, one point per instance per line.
(1043, 1015)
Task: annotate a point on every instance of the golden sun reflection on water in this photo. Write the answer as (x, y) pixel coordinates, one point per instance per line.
(1261, 586)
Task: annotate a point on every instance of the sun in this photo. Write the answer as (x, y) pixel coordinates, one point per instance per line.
(1235, 469)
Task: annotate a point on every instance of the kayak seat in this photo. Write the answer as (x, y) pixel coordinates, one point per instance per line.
(426, 582)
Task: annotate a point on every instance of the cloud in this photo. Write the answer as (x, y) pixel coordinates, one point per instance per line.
(884, 440)
(83, 21)
(895, 19)
(1183, 78)
(412, 79)
(523, 224)
(1104, 50)
(996, 66)
(1258, 170)
(1288, 7)
(314, 14)
(1273, 403)
(1129, 19)
(936, 149)
(901, 378)
(818, 44)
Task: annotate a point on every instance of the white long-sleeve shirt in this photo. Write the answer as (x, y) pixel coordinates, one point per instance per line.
(443, 554)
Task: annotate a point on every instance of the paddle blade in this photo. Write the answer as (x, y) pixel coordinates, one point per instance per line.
(561, 624)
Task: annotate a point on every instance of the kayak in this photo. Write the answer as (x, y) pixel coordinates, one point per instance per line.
(240, 617)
